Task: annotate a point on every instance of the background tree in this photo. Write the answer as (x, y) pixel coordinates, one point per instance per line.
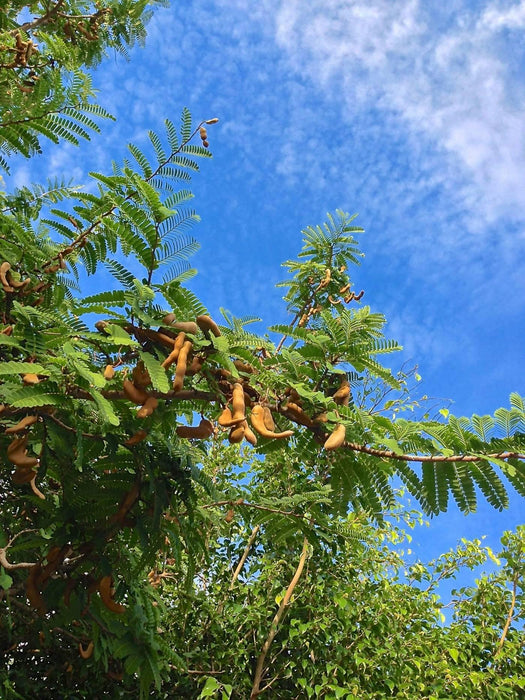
(126, 413)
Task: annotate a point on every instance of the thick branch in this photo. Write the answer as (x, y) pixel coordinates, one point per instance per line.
(259, 670)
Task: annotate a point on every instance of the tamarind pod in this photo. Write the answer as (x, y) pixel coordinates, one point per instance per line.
(208, 325)
(214, 120)
(8, 330)
(20, 458)
(237, 434)
(2, 407)
(149, 406)
(344, 289)
(32, 586)
(51, 269)
(21, 425)
(342, 395)
(35, 489)
(174, 354)
(238, 403)
(158, 337)
(87, 652)
(53, 553)
(182, 362)
(257, 420)
(126, 504)
(16, 444)
(268, 419)
(133, 393)
(202, 431)
(202, 132)
(30, 378)
(169, 318)
(104, 588)
(109, 372)
(196, 365)
(336, 437)
(23, 476)
(244, 367)
(136, 438)
(359, 296)
(225, 420)
(185, 326)
(229, 515)
(4, 267)
(321, 418)
(99, 325)
(140, 375)
(18, 284)
(249, 435)
(297, 414)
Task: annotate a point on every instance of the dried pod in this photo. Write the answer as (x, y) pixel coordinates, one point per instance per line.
(136, 438)
(208, 325)
(182, 363)
(21, 425)
(87, 652)
(202, 431)
(149, 406)
(109, 372)
(104, 588)
(336, 438)
(342, 395)
(257, 420)
(30, 378)
(237, 433)
(174, 354)
(140, 375)
(133, 393)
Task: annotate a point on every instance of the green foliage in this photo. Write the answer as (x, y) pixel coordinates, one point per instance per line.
(118, 521)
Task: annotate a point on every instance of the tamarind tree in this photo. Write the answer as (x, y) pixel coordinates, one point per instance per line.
(134, 428)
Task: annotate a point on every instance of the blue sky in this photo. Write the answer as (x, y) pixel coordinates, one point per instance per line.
(410, 113)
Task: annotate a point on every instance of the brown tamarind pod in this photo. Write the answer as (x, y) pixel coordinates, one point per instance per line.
(30, 378)
(238, 402)
(225, 420)
(229, 515)
(202, 431)
(16, 444)
(208, 325)
(202, 132)
(8, 330)
(321, 418)
(136, 438)
(23, 476)
(104, 587)
(53, 553)
(4, 268)
(174, 354)
(21, 425)
(195, 366)
(237, 433)
(336, 437)
(342, 395)
(133, 393)
(244, 367)
(35, 489)
(32, 586)
(87, 652)
(140, 375)
(297, 414)
(182, 363)
(268, 419)
(109, 372)
(52, 268)
(257, 420)
(149, 406)
(185, 326)
(100, 325)
(249, 435)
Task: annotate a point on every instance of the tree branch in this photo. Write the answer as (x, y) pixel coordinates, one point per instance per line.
(259, 670)
(509, 616)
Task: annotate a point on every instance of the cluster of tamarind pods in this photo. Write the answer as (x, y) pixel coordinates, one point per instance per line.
(174, 337)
